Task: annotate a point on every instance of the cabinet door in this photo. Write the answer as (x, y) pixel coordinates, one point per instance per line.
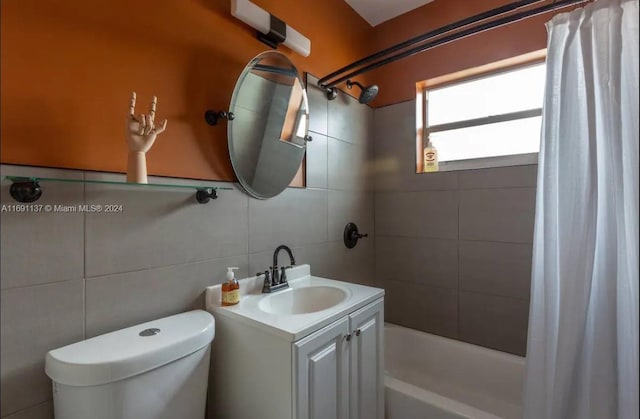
(322, 373)
(367, 376)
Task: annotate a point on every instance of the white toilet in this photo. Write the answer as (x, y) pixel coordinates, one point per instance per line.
(155, 370)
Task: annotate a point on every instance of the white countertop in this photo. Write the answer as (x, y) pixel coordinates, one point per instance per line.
(290, 326)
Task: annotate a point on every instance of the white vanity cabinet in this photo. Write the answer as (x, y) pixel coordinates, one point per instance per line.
(366, 393)
(338, 369)
(335, 372)
(321, 373)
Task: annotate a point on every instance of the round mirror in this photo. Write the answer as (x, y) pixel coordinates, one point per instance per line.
(267, 137)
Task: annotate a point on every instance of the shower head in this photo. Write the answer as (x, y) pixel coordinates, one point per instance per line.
(368, 93)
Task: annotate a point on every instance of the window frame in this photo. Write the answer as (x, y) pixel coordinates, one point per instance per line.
(423, 130)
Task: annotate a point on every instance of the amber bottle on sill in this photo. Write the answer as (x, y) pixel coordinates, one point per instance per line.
(430, 158)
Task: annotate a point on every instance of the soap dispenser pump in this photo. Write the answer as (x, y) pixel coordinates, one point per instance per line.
(230, 289)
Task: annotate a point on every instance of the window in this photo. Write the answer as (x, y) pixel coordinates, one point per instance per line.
(487, 121)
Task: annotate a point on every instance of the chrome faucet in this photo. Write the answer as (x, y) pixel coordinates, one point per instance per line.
(277, 278)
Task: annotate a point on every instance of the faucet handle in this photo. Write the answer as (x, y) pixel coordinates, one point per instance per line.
(267, 280)
(275, 276)
(283, 274)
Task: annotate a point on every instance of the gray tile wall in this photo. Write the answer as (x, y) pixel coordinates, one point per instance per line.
(453, 249)
(69, 276)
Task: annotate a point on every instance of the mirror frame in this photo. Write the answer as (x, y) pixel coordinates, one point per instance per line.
(250, 66)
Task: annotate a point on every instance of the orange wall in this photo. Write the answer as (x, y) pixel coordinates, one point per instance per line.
(69, 66)
(397, 81)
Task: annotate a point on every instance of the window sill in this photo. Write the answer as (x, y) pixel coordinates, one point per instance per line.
(488, 162)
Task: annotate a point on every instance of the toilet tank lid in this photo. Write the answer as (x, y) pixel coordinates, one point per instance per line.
(124, 353)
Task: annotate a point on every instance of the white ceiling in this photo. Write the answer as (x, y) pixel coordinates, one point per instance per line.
(378, 11)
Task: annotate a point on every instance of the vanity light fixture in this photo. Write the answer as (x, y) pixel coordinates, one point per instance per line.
(271, 30)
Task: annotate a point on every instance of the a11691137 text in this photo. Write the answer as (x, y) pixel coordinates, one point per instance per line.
(58, 208)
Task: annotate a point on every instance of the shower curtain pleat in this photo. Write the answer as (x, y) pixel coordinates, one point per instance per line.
(582, 353)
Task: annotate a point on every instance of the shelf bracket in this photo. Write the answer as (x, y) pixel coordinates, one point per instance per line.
(25, 190)
(212, 117)
(204, 195)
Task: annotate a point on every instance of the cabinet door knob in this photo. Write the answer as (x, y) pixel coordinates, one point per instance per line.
(347, 337)
(357, 332)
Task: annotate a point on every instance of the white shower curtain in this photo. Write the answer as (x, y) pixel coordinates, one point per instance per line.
(582, 353)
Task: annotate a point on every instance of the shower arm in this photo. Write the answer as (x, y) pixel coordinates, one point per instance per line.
(445, 39)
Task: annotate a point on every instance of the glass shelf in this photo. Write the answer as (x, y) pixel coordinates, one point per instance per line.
(28, 189)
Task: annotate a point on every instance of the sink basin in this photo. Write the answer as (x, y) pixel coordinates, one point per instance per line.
(302, 300)
(310, 303)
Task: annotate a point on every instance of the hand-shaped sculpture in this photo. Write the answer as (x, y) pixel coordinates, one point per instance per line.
(141, 133)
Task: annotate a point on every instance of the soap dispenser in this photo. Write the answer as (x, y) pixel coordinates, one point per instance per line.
(230, 289)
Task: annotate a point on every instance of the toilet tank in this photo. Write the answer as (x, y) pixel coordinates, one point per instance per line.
(155, 370)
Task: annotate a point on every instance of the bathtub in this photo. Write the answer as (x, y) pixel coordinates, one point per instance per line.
(431, 377)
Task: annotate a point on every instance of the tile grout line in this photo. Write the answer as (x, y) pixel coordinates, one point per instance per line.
(173, 265)
(454, 239)
(489, 294)
(328, 230)
(374, 193)
(453, 288)
(326, 163)
(493, 188)
(458, 259)
(248, 198)
(441, 189)
(84, 259)
(43, 284)
(33, 406)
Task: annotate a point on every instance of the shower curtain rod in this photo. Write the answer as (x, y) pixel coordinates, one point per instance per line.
(444, 29)
(445, 39)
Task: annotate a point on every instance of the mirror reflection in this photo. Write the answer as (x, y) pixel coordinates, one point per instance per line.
(267, 137)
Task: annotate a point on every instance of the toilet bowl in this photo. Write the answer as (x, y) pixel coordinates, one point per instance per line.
(155, 370)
